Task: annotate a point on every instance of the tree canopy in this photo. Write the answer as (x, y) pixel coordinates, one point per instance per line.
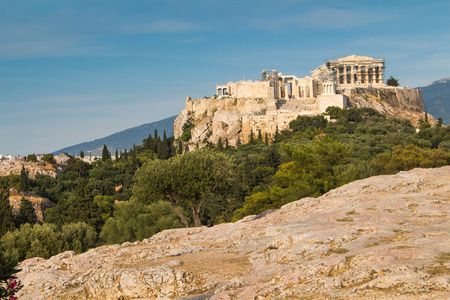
(392, 81)
(187, 181)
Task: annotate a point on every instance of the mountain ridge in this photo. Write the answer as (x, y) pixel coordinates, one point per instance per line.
(122, 140)
(436, 97)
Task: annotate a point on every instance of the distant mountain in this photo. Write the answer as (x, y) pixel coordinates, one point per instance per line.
(436, 97)
(122, 140)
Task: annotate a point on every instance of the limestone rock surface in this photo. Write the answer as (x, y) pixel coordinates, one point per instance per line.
(385, 237)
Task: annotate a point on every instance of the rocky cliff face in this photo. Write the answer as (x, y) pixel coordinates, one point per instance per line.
(233, 118)
(383, 237)
(40, 204)
(397, 102)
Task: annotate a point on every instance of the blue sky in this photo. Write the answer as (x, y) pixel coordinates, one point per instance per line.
(74, 71)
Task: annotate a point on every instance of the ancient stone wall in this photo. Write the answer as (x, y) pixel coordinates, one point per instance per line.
(249, 89)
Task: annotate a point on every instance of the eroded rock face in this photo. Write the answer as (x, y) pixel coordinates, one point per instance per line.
(383, 237)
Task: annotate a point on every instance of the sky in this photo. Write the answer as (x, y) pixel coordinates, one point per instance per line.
(76, 70)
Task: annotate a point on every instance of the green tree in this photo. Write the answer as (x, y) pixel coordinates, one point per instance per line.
(80, 237)
(27, 213)
(146, 221)
(392, 81)
(219, 144)
(180, 147)
(32, 157)
(81, 154)
(48, 158)
(412, 156)
(6, 216)
(187, 181)
(251, 137)
(105, 153)
(238, 142)
(310, 172)
(23, 186)
(34, 241)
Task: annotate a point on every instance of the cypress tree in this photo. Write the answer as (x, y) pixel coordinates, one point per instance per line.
(276, 136)
(105, 153)
(180, 147)
(259, 135)
(23, 186)
(251, 137)
(238, 142)
(163, 150)
(27, 213)
(226, 143)
(266, 139)
(219, 144)
(81, 154)
(6, 216)
(155, 136)
(117, 154)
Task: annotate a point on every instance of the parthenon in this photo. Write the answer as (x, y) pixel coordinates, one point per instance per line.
(331, 78)
(271, 103)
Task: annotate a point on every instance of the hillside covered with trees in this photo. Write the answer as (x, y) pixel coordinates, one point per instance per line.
(158, 185)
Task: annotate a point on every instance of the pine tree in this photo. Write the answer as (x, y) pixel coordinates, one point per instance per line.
(180, 147)
(163, 150)
(27, 213)
(276, 136)
(6, 216)
(105, 153)
(219, 144)
(23, 186)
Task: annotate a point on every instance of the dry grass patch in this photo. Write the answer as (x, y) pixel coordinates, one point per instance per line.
(339, 269)
(442, 257)
(438, 270)
(399, 236)
(352, 212)
(346, 219)
(337, 251)
(372, 244)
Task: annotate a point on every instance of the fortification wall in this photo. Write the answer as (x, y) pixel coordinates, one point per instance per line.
(249, 89)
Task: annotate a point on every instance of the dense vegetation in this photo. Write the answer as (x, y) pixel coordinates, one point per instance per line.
(153, 187)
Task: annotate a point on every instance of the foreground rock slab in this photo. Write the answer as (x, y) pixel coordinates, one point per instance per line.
(383, 237)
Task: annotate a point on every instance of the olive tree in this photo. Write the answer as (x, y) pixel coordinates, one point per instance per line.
(187, 181)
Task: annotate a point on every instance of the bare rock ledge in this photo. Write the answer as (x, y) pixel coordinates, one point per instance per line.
(383, 237)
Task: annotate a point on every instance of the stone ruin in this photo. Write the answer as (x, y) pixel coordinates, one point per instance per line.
(268, 105)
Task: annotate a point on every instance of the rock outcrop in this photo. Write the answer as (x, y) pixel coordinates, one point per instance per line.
(395, 102)
(383, 237)
(235, 118)
(40, 204)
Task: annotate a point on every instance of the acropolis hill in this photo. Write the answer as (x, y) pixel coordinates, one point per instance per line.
(243, 106)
